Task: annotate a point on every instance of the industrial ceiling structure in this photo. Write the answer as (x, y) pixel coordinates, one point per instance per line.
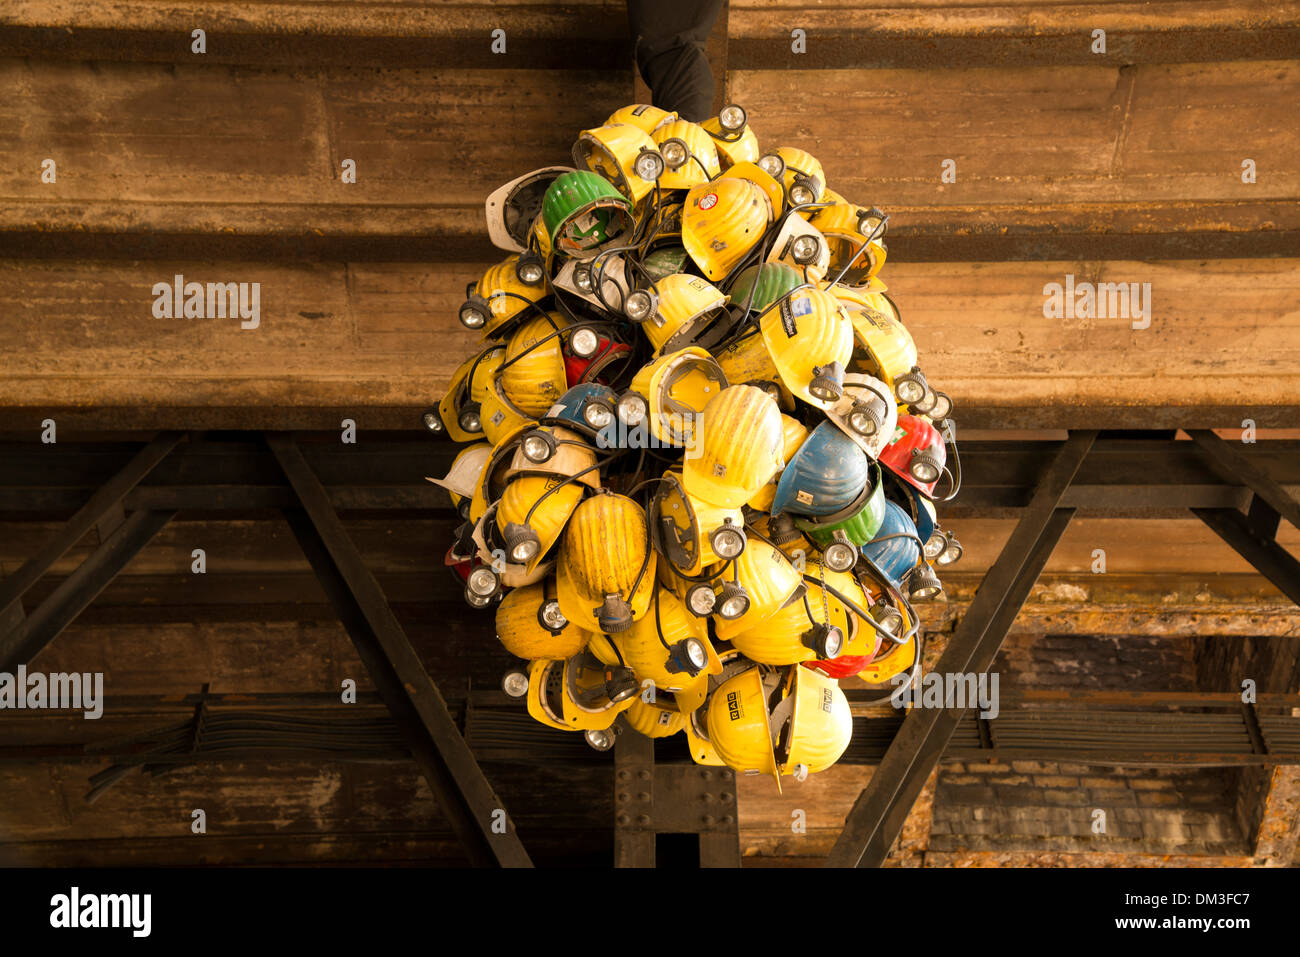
(232, 523)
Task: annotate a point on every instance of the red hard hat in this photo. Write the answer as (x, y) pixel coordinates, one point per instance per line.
(916, 454)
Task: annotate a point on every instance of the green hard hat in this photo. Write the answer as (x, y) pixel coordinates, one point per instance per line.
(860, 520)
(583, 213)
(773, 281)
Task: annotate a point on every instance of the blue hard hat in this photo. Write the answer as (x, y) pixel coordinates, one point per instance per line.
(827, 473)
(894, 550)
(578, 406)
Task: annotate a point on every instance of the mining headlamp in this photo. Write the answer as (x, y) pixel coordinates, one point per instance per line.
(640, 305)
(469, 418)
(910, 387)
(597, 413)
(701, 600)
(522, 543)
(474, 313)
(827, 382)
(942, 407)
(891, 623)
(804, 249)
(584, 343)
(801, 193)
(924, 466)
(632, 409)
(529, 268)
(538, 447)
(649, 165)
(599, 740)
(433, 421)
(871, 220)
(867, 415)
(674, 151)
(825, 640)
(772, 165)
(923, 584)
(925, 404)
(515, 683)
(483, 582)
(689, 656)
(733, 601)
(728, 540)
(841, 554)
(550, 617)
(952, 550)
(732, 118)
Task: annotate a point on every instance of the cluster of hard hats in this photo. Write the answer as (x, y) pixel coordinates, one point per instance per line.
(703, 464)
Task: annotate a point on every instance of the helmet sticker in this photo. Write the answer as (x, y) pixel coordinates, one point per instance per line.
(899, 432)
(640, 109)
(707, 201)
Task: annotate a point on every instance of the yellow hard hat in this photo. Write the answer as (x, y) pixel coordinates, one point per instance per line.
(883, 346)
(677, 386)
(500, 416)
(722, 222)
(613, 152)
(738, 444)
(575, 694)
(531, 514)
(691, 533)
(755, 174)
(683, 307)
(668, 645)
(846, 227)
(738, 725)
(530, 624)
(641, 115)
(809, 627)
(606, 569)
(730, 130)
(654, 721)
(806, 342)
(554, 450)
(461, 405)
(796, 433)
(689, 153)
(533, 373)
(770, 582)
(812, 724)
(500, 298)
(466, 469)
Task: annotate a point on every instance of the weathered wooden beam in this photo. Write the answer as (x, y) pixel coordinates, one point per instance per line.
(905, 34)
(544, 36)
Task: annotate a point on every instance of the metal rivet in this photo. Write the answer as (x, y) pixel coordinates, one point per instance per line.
(623, 819)
(643, 796)
(622, 797)
(709, 820)
(643, 774)
(706, 797)
(623, 775)
(725, 795)
(704, 773)
(728, 819)
(643, 819)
